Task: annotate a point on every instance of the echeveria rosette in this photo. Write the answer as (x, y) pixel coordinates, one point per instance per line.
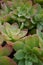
(11, 32)
(28, 51)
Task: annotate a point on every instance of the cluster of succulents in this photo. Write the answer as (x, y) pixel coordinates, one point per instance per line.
(21, 32)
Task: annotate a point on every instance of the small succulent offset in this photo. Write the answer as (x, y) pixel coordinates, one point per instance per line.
(11, 32)
(28, 51)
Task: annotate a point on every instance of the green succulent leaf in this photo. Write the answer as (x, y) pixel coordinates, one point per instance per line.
(18, 45)
(27, 62)
(29, 41)
(19, 55)
(36, 51)
(22, 62)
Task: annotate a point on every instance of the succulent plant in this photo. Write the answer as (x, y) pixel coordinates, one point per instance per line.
(11, 32)
(28, 51)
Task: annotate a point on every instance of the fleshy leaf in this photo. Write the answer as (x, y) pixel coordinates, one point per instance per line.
(22, 62)
(18, 45)
(19, 55)
(27, 62)
(29, 41)
(6, 61)
(6, 50)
